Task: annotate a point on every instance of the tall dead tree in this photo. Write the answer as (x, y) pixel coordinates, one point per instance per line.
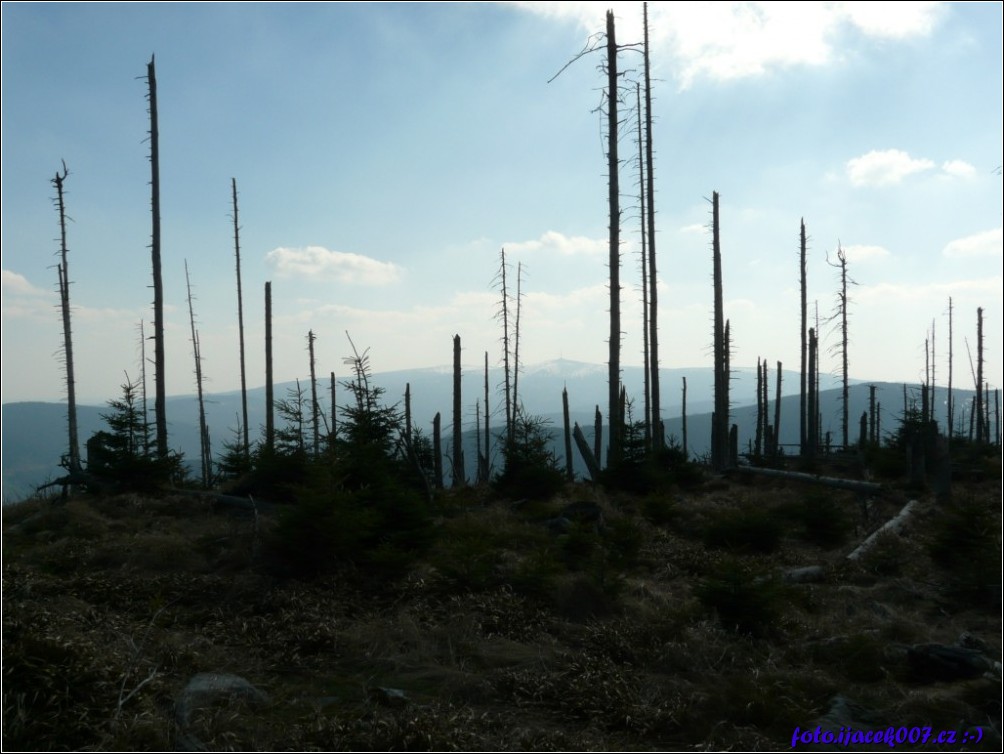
(269, 394)
(777, 413)
(951, 399)
(315, 407)
(488, 453)
(644, 273)
(504, 313)
(982, 434)
(802, 421)
(569, 473)
(458, 450)
(811, 410)
(206, 454)
(760, 409)
(934, 375)
(515, 354)
(653, 292)
(841, 316)
(613, 183)
(683, 412)
(240, 320)
(160, 383)
(720, 419)
(73, 443)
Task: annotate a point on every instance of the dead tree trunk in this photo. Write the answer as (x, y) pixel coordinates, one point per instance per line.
(592, 463)
(160, 399)
(598, 436)
(811, 428)
(653, 292)
(757, 443)
(777, 414)
(686, 452)
(515, 355)
(315, 406)
(644, 276)
(269, 395)
(951, 399)
(73, 443)
(240, 322)
(437, 451)
(488, 453)
(803, 407)
(458, 451)
(981, 433)
(569, 473)
(720, 427)
(509, 428)
(613, 164)
(206, 457)
(334, 413)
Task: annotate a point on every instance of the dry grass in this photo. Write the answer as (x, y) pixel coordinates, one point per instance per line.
(505, 637)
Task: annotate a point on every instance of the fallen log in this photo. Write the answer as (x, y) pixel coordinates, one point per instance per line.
(853, 485)
(894, 524)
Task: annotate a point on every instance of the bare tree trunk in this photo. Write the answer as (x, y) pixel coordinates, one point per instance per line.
(240, 322)
(758, 442)
(811, 430)
(407, 415)
(515, 359)
(458, 451)
(951, 400)
(644, 276)
(720, 428)
(437, 451)
(315, 407)
(844, 375)
(269, 396)
(981, 433)
(686, 452)
(334, 412)
(613, 164)
(206, 457)
(598, 436)
(934, 376)
(488, 453)
(569, 473)
(142, 371)
(777, 413)
(803, 418)
(160, 400)
(510, 437)
(73, 443)
(653, 292)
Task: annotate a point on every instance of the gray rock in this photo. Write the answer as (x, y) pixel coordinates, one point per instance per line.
(205, 690)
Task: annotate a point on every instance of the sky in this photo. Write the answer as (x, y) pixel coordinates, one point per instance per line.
(386, 153)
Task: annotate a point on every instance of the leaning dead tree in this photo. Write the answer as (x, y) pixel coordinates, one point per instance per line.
(240, 321)
(73, 444)
(160, 383)
(205, 458)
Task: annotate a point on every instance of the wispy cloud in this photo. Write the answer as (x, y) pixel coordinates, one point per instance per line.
(325, 264)
(884, 168)
(13, 283)
(554, 242)
(986, 244)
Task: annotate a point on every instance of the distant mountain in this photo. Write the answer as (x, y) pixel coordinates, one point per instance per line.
(34, 434)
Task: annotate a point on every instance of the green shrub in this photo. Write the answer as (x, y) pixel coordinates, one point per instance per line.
(966, 543)
(531, 468)
(744, 602)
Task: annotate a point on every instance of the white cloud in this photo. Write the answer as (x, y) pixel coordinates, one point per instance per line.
(959, 168)
(325, 264)
(695, 228)
(986, 244)
(13, 283)
(863, 253)
(884, 168)
(729, 40)
(893, 20)
(553, 241)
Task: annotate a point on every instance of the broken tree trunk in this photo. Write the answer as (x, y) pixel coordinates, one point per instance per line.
(587, 455)
(894, 524)
(797, 476)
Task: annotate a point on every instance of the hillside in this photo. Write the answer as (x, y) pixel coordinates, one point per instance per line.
(34, 434)
(675, 621)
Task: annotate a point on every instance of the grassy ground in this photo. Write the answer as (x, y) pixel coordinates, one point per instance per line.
(668, 628)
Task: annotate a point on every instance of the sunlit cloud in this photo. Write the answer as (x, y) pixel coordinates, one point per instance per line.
(732, 40)
(959, 168)
(320, 263)
(986, 244)
(884, 168)
(13, 283)
(558, 243)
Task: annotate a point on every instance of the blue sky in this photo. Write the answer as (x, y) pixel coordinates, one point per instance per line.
(385, 154)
